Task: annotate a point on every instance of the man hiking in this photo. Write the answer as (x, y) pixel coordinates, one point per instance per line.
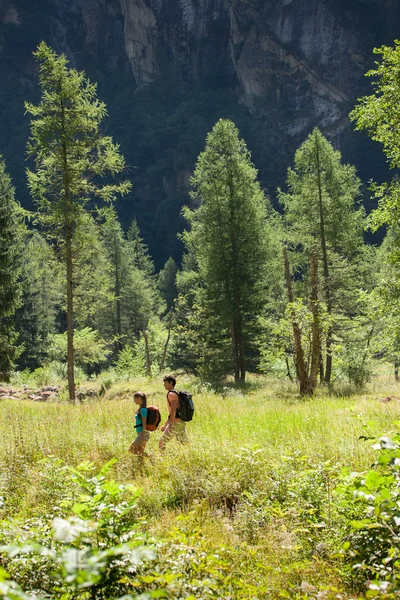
(174, 426)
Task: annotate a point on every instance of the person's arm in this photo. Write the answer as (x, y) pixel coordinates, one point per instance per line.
(143, 414)
(174, 406)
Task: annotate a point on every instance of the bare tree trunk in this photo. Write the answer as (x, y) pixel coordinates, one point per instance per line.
(69, 265)
(70, 315)
(396, 371)
(235, 352)
(315, 343)
(147, 351)
(242, 364)
(118, 343)
(289, 374)
(328, 364)
(321, 367)
(164, 354)
(300, 362)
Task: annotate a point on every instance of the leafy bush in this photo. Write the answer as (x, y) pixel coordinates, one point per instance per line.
(93, 545)
(130, 362)
(373, 499)
(91, 549)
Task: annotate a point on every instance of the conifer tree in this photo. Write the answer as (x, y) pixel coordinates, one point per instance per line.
(167, 282)
(321, 207)
(141, 258)
(93, 280)
(119, 260)
(72, 159)
(135, 297)
(42, 299)
(228, 237)
(10, 249)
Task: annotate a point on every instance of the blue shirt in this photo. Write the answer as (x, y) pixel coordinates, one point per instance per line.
(139, 422)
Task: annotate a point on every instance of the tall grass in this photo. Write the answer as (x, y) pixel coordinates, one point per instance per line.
(263, 460)
(225, 427)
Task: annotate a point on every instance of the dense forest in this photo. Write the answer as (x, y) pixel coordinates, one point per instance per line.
(297, 292)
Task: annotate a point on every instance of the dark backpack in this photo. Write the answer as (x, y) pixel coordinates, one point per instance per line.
(153, 418)
(186, 406)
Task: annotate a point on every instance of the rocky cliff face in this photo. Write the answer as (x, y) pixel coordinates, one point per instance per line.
(169, 68)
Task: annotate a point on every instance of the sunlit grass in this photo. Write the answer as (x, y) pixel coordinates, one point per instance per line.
(242, 441)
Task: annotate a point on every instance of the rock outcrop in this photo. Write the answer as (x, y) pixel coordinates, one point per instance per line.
(287, 64)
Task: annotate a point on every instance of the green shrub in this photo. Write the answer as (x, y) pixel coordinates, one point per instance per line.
(373, 503)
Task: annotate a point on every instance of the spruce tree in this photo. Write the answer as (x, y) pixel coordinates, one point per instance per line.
(228, 237)
(10, 251)
(72, 162)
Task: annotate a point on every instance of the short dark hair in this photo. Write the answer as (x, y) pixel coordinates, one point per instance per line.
(170, 379)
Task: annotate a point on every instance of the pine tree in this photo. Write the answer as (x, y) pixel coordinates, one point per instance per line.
(321, 207)
(72, 158)
(228, 237)
(10, 251)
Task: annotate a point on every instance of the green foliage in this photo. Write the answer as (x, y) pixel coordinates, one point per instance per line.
(93, 291)
(139, 251)
(166, 282)
(317, 164)
(90, 349)
(373, 540)
(73, 163)
(41, 300)
(67, 144)
(89, 549)
(378, 114)
(228, 238)
(322, 210)
(277, 351)
(10, 269)
(131, 362)
(136, 299)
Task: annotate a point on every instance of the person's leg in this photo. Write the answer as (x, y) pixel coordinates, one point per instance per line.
(139, 444)
(143, 446)
(166, 436)
(180, 432)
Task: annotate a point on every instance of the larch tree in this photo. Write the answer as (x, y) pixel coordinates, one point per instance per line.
(10, 268)
(74, 162)
(321, 207)
(228, 236)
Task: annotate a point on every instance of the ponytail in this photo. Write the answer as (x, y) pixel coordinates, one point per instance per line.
(143, 398)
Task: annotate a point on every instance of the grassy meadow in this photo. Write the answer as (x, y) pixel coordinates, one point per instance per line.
(259, 482)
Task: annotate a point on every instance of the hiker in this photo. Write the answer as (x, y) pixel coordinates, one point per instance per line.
(139, 444)
(174, 426)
